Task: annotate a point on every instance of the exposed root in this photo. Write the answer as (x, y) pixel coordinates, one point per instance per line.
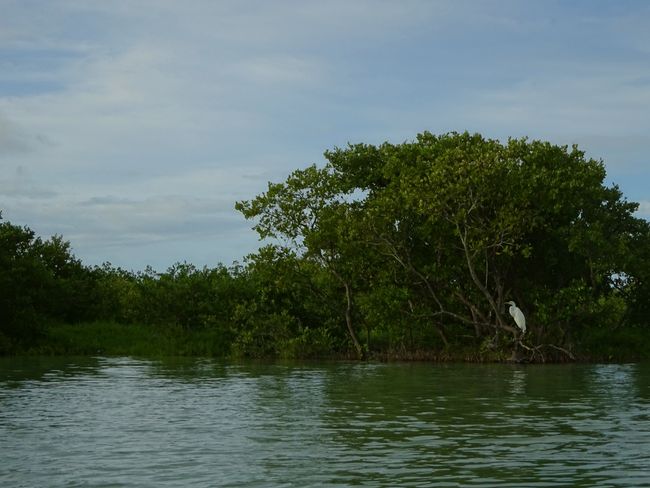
(537, 350)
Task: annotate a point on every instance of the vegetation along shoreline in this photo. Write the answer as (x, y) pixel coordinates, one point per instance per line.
(404, 251)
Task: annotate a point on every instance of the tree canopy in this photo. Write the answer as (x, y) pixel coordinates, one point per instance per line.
(397, 250)
(440, 232)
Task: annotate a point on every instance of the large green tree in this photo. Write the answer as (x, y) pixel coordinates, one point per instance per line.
(443, 230)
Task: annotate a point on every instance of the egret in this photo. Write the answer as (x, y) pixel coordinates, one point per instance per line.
(518, 315)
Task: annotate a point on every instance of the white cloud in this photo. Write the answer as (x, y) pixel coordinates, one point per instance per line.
(156, 218)
(278, 70)
(109, 227)
(644, 209)
(20, 185)
(12, 139)
(145, 121)
(604, 101)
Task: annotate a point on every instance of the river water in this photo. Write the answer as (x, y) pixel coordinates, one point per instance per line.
(113, 422)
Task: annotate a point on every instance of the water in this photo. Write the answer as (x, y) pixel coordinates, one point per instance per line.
(113, 422)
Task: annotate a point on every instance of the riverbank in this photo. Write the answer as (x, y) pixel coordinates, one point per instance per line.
(114, 339)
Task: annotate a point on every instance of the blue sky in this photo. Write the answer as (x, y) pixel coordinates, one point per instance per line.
(132, 127)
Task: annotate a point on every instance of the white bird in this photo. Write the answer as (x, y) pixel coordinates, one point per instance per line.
(518, 315)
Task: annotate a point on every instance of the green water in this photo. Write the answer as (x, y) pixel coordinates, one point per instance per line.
(114, 422)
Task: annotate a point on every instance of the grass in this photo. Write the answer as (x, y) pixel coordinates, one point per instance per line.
(595, 344)
(112, 339)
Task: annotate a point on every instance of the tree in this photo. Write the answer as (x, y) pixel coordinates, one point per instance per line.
(40, 281)
(447, 228)
(309, 212)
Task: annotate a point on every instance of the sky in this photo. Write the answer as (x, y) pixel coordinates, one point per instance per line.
(132, 127)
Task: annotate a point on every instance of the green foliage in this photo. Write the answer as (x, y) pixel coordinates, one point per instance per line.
(113, 339)
(396, 250)
(626, 343)
(309, 343)
(435, 235)
(40, 281)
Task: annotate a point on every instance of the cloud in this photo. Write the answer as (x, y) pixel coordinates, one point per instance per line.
(608, 100)
(156, 218)
(20, 185)
(644, 209)
(278, 70)
(133, 127)
(126, 231)
(11, 138)
(14, 139)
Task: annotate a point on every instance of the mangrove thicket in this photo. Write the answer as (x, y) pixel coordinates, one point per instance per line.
(404, 250)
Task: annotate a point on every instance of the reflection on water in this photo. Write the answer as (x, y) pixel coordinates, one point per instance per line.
(127, 422)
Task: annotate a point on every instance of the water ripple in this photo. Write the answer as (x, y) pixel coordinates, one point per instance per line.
(129, 422)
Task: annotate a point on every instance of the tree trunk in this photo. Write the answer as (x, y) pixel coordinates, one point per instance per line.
(475, 278)
(348, 321)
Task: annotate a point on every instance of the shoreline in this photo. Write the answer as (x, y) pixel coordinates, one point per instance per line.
(631, 344)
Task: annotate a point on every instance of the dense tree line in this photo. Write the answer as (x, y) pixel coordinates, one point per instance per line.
(265, 309)
(399, 249)
(436, 234)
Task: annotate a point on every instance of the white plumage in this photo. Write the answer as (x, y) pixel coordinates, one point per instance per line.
(518, 315)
